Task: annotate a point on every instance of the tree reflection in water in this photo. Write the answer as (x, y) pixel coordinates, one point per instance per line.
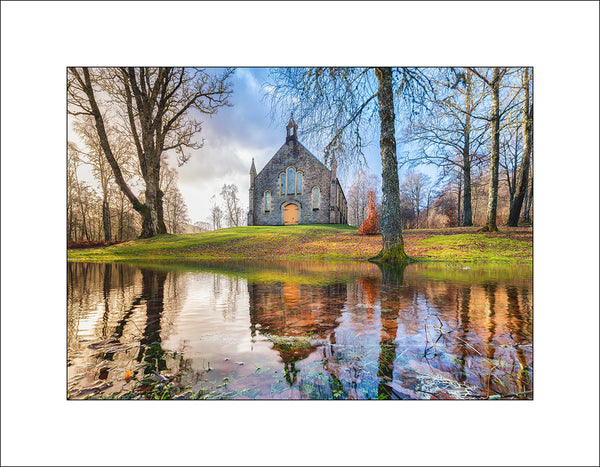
(130, 305)
(153, 292)
(303, 330)
(392, 279)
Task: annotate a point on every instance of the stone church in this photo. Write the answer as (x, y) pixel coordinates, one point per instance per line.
(296, 188)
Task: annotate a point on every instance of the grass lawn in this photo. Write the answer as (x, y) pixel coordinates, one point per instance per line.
(319, 242)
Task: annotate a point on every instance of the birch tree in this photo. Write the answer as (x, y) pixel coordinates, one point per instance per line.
(341, 107)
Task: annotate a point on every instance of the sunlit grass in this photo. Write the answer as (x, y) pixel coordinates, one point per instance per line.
(475, 247)
(316, 242)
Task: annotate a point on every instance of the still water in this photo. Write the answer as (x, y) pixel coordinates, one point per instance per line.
(294, 330)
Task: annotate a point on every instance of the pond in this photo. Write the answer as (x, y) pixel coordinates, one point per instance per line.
(299, 330)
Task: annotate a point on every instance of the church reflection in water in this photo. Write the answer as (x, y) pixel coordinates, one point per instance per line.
(294, 316)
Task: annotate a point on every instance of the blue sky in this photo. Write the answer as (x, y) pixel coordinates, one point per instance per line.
(238, 133)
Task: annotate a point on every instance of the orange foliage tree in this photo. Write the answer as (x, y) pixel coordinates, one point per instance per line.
(370, 225)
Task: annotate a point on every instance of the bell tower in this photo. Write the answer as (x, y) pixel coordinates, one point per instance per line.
(292, 131)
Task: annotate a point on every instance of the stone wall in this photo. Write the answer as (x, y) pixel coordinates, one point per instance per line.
(314, 173)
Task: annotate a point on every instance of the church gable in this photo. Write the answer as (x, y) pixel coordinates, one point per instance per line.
(295, 155)
(295, 187)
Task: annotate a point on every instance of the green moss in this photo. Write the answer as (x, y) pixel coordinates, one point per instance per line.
(393, 256)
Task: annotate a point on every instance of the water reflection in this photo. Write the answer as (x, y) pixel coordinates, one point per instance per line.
(299, 330)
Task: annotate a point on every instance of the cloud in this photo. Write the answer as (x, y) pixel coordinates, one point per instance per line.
(232, 138)
(246, 77)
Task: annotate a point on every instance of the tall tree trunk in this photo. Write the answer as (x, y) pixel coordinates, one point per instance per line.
(459, 193)
(153, 221)
(70, 224)
(417, 226)
(151, 211)
(428, 203)
(121, 214)
(106, 219)
(490, 223)
(467, 210)
(391, 221)
(84, 229)
(466, 165)
(527, 209)
(522, 177)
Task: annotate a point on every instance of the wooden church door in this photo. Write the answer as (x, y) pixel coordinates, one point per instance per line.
(290, 214)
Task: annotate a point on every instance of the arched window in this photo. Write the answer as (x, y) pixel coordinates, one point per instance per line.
(291, 181)
(282, 184)
(316, 195)
(267, 201)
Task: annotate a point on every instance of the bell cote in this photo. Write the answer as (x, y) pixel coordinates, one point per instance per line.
(292, 131)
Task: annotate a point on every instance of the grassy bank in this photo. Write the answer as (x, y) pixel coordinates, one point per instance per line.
(318, 242)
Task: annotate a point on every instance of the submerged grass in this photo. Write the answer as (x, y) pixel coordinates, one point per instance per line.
(317, 242)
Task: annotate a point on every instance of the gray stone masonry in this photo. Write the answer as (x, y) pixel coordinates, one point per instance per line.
(314, 174)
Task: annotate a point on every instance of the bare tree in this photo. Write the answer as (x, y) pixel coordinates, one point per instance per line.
(156, 106)
(72, 187)
(127, 224)
(76, 191)
(233, 210)
(358, 196)
(339, 105)
(510, 155)
(216, 214)
(415, 187)
(522, 177)
(101, 170)
(176, 213)
(495, 117)
(449, 132)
